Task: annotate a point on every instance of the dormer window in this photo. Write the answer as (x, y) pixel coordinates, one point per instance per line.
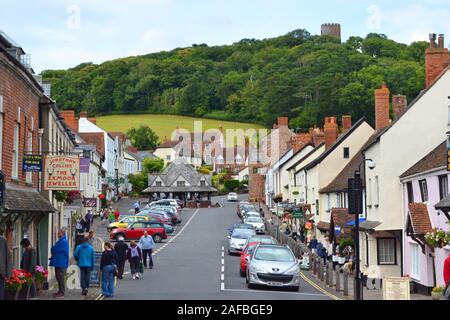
(203, 183)
(181, 183)
(158, 183)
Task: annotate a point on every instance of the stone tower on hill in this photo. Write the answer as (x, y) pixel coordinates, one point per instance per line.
(331, 29)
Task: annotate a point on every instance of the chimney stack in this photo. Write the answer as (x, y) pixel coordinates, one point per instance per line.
(346, 123)
(436, 59)
(331, 131)
(83, 114)
(70, 119)
(382, 107)
(283, 122)
(399, 104)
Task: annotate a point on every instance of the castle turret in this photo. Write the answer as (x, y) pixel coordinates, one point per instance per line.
(332, 30)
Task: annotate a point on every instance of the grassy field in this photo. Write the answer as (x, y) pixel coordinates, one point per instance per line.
(164, 125)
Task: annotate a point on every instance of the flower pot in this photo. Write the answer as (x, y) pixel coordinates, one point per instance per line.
(436, 295)
(11, 294)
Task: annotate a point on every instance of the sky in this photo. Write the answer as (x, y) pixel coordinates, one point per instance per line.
(61, 34)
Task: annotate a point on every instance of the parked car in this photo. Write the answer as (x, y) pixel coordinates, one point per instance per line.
(232, 196)
(165, 202)
(239, 226)
(170, 210)
(240, 206)
(136, 230)
(257, 223)
(249, 214)
(237, 240)
(250, 245)
(273, 266)
(123, 223)
(244, 208)
(165, 218)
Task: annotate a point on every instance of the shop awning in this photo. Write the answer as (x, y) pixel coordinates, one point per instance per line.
(25, 200)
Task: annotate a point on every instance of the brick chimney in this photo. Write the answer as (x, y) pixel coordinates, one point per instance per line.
(70, 119)
(346, 123)
(300, 140)
(331, 131)
(382, 107)
(399, 104)
(283, 122)
(436, 59)
(83, 114)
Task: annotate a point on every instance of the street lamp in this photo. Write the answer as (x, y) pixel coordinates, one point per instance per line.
(355, 206)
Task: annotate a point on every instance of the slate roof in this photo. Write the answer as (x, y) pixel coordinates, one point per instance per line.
(171, 174)
(420, 219)
(306, 156)
(26, 200)
(339, 140)
(435, 159)
(340, 183)
(95, 138)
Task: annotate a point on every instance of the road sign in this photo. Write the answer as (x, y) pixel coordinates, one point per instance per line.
(32, 163)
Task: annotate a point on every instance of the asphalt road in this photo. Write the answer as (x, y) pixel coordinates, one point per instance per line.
(194, 264)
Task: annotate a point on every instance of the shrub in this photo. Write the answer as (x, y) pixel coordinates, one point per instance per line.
(231, 185)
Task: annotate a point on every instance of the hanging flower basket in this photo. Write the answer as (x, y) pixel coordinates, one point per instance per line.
(437, 238)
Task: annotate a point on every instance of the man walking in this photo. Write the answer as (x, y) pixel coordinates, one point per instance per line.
(5, 264)
(146, 243)
(121, 249)
(84, 255)
(88, 219)
(60, 261)
(28, 263)
(136, 207)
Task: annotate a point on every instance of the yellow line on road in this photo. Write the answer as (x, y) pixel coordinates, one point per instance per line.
(319, 288)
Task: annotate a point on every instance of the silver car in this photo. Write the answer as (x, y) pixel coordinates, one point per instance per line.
(238, 239)
(273, 266)
(257, 223)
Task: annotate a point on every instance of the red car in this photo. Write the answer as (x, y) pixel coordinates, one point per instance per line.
(245, 254)
(136, 230)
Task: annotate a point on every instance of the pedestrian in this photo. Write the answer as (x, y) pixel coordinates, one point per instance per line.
(80, 226)
(146, 244)
(136, 207)
(60, 261)
(111, 216)
(117, 215)
(88, 220)
(84, 255)
(28, 263)
(134, 256)
(5, 264)
(121, 249)
(91, 238)
(313, 244)
(447, 270)
(322, 252)
(108, 265)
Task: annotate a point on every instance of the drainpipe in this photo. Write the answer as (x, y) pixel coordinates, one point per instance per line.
(432, 255)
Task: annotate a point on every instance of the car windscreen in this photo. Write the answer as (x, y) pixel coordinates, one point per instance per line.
(243, 226)
(254, 219)
(274, 254)
(262, 239)
(242, 233)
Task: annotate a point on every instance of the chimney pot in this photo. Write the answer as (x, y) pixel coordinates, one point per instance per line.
(331, 131)
(441, 41)
(432, 38)
(346, 123)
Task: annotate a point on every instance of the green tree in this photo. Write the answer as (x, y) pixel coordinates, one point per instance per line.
(153, 165)
(143, 138)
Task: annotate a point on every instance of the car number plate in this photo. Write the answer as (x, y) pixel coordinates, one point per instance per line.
(275, 284)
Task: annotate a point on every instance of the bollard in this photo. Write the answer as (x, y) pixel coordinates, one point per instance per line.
(321, 269)
(330, 273)
(327, 274)
(312, 261)
(338, 279)
(345, 283)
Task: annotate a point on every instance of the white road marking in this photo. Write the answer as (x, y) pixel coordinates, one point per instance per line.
(276, 292)
(222, 286)
(223, 255)
(222, 277)
(223, 269)
(223, 261)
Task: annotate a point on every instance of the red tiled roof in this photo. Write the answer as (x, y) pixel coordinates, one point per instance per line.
(95, 138)
(420, 220)
(340, 216)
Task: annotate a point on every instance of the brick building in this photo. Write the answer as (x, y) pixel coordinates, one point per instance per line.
(20, 95)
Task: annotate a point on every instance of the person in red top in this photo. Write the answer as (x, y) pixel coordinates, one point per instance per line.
(117, 214)
(447, 270)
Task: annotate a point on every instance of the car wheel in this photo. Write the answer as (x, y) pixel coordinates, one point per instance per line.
(157, 238)
(243, 274)
(246, 278)
(119, 235)
(229, 253)
(250, 286)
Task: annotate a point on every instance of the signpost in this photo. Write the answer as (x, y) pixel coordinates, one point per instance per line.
(32, 163)
(396, 288)
(62, 173)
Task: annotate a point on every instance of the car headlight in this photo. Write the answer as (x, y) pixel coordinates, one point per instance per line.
(255, 268)
(293, 270)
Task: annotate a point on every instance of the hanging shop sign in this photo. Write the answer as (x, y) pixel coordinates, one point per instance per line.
(62, 173)
(90, 202)
(32, 163)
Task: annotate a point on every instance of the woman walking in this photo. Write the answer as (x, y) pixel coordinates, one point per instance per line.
(134, 256)
(28, 263)
(108, 265)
